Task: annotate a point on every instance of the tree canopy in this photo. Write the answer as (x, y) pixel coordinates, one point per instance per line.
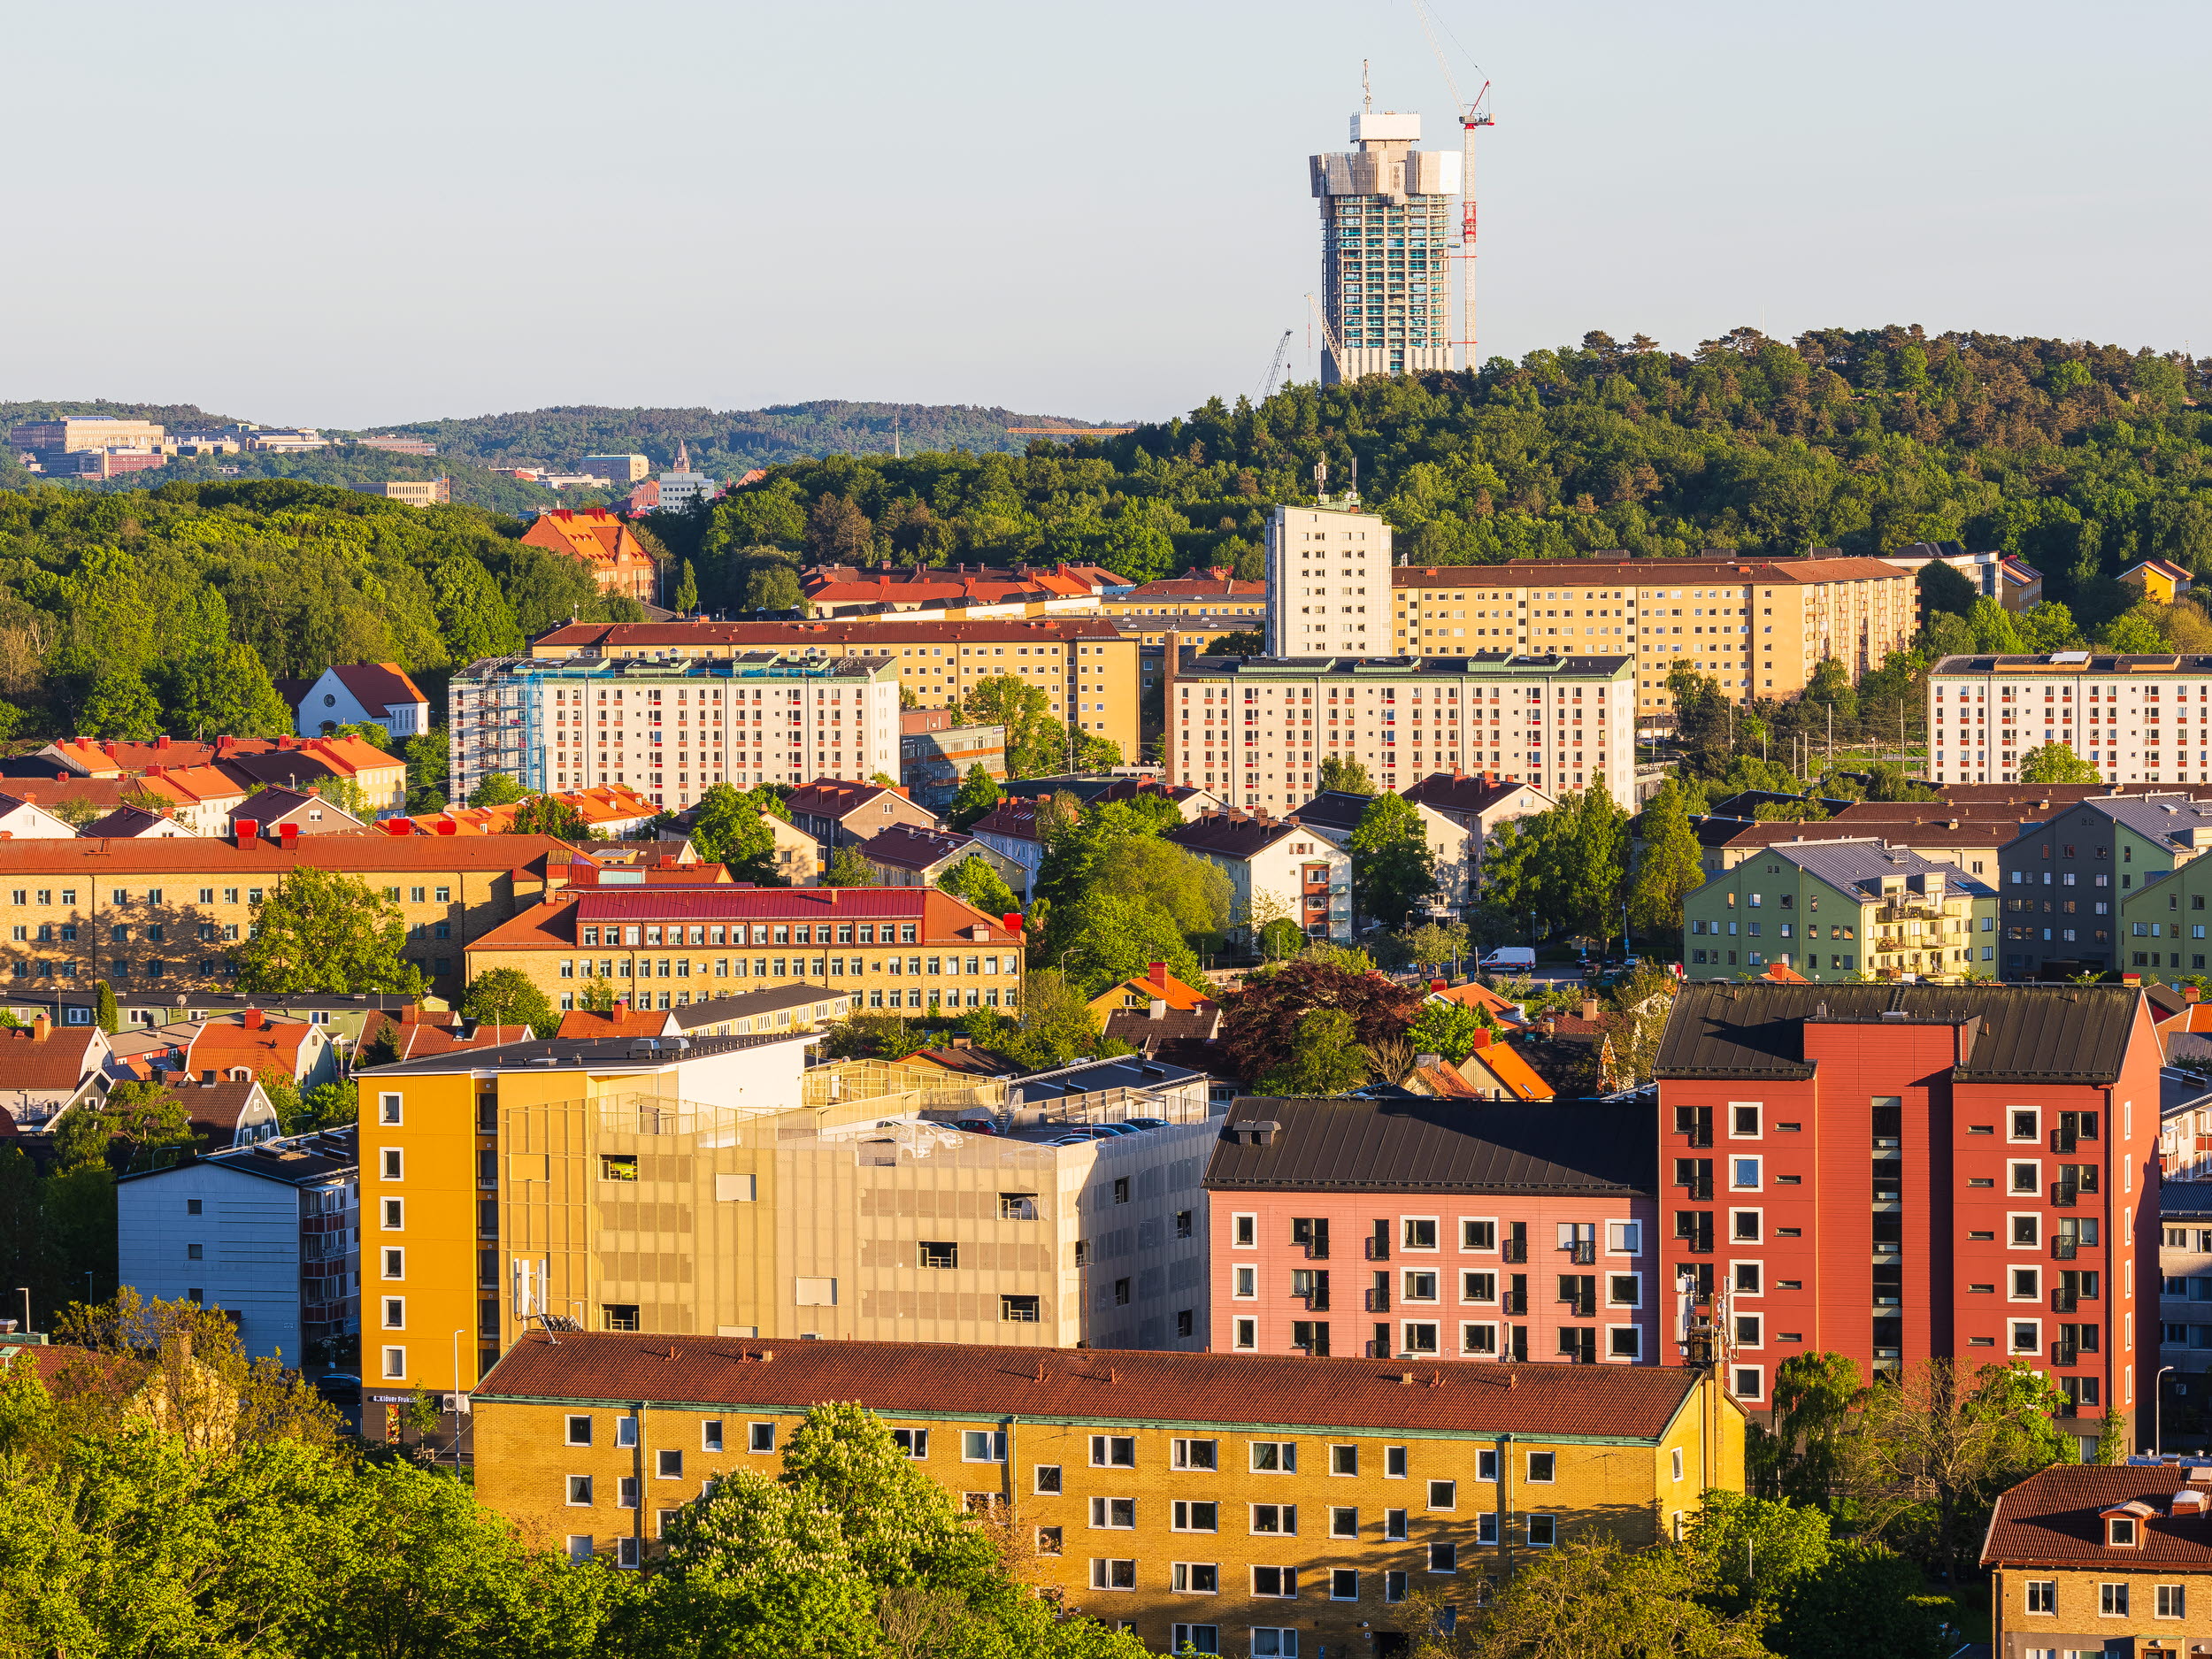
(319, 930)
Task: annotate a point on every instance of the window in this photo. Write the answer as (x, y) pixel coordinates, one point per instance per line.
(392, 1163)
(982, 1446)
(1344, 1584)
(1394, 1462)
(1111, 1451)
(1541, 1467)
(1344, 1460)
(1443, 1495)
(1543, 1531)
(1394, 1525)
(1048, 1478)
(668, 1463)
(2171, 1601)
(1114, 1514)
(711, 1435)
(1198, 1637)
(1443, 1557)
(394, 1361)
(1625, 1238)
(2112, 1601)
(579, 1431)
(1743, 1174)
(1246, 1283)
(1194, 1453)
(1275, 1518)
(1343, 1521)
(1113, 1575)
(388, 1109)
(579, 1490)
(760, 1437)
(1477, 1236)
(1192, 1516)
(1244, 1231)
(394, 1215)
(1419, 1233)
(1244, 1332)
(625, 1432)
(1675, 1460)
(1275, 1457)
(1048, 1541)
(1276, 1581)
(1018, 1310)
(1195, 1578)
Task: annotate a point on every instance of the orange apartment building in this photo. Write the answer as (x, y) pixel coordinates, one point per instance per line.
(620, 562)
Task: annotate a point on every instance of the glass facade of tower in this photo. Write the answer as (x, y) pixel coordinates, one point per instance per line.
(1387, 274)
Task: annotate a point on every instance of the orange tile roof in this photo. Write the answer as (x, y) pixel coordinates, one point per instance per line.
(798, 635)
(1511, 1073)
(1167, 989)
(592, 533)
(623, 1022)
(348, 756)
(1478, 996)
(379, 687)
(1781, 973)
(59, 1059)
(416, 1038)
(225, 1040)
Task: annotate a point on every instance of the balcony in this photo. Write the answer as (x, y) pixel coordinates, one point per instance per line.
(2065, 1354)
(2065, 1195)
(2062, 1300)
(1378, 1301)
(2062, 1249)
(1581, 1306)
(2062, 1140)
(1317, 1299)
(1513, 1251)
(1698, 1191)
(1318, 1250)
(1583, 1252)
(1378, 1248)
(1513, 1303)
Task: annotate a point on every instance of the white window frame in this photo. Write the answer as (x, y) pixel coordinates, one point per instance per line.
(1758, 1106)
(1736, 1261)
(2012, 1273)
(1551, 1526)
(1178, 1583)
(2159, 1602)
(1334, 1596)
(568, 1428)
(1465, 1300)
(1758, 1374)
(1178, 1515)
(1468, 1326)
(2035, 1164)
(1102, 1451)
(1639, 1303)
(390, 1305)
(1244, 1282)
(1637, 1358)
(1245, 1334)
(2035, 1216)
(1487, 1529)
(1434, 1327)
(753, 1437)
(2035, 1140)
(2010, 1332)
(1405, 1296)
(1634, 1230)
(1286, 1454)
(568, 1487)
(391, 1164)
(1102, 1573)
(1178, 1455)
(1760, 1340)
(390, 1256)
(1758, 1183)
(390, 1109)
(1467, 1249)
(1675, 1454)
(392, 1214)
(1102, 1511)
(993, 1443)
(394, 1361)
(1236, 1218)
(1760, 1212)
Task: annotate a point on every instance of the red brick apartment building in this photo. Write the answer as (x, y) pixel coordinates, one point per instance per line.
(1899, 1172)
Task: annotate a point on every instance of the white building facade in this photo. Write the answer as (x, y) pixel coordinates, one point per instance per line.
(1385, 248)
(1328, 581)
(1255, 731)
(673, 728)
(2136, 720)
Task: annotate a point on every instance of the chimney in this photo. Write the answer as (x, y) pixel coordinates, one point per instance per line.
(1436, 985)
(161, 742)
(248, 831)
(40, 1028)
(1013, 922)
(2190, 992)
(288, 834)
(1157, 971)
(1590, 1008)
(1482, 1037)
(255, 1019)
(1156, 1009)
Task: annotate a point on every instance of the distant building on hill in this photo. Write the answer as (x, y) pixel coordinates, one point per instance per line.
(616, 469)
(620, 562)
(416, 492)
(362, 694)
(70, 434)
(396, 445)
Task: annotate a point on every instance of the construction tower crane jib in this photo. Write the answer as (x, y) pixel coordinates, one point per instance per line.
(1471, 114)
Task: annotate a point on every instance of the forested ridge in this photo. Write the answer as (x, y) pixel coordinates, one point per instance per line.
(2083, 458)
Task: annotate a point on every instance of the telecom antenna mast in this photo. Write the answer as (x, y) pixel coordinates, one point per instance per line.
(1471, 115)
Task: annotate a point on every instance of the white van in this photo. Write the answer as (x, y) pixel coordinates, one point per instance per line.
(1510, 959)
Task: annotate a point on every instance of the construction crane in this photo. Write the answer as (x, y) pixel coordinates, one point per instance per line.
(1274, 369)
(1471, 115)
(1328, 335)
(1071, 432)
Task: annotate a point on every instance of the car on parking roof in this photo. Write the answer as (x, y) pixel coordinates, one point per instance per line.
(976, 1125)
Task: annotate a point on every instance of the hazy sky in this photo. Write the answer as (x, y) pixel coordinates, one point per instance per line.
(357, 214)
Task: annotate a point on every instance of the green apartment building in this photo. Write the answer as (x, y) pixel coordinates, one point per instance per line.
(1838, 911)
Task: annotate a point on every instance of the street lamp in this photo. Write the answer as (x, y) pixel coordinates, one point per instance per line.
(2158, 1410)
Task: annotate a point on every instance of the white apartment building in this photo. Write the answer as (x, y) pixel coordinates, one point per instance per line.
(1328, 581)
(1277, 867)
(2136, 720)
(1255, 731)
(673, 728)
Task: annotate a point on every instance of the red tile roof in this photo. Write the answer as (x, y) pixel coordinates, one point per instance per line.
(1192, 584)
(592, 533)
(846, 585)
(346, 756)
(863, 631)
(1016, 819)
(60, 1059)
(2050, 1519)
(828, 798)
(415, 1039)
(1463, 792)
(908, 847)
(378, 687)
(365, 852)
(225, 1040)
(1622, 571)
(624, 1022)
(940, 916)
(1097, 1385)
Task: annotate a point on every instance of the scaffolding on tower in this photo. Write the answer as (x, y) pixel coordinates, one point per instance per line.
(1470, 115)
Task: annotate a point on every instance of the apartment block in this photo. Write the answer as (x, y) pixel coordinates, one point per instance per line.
(2078, 888)
(2136, 720)
(1278, 869)
(157, 915)
(1757, 628)
(1905, 1172)
(955, 593)
(2184, 1286)
(1415, 1230)
(415, 492)
(1254, 729)
(616, 469)
(1840, 909)
(268, 1234)
(605, 542)
(671, 728)
(1216, 1503)
(1086, 667)
(2103, 1560)
(912, 947)
(936, 751)
(1328, 581)
(1386, 240)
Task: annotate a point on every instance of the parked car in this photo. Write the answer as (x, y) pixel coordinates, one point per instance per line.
(975, 1126)
(1510, 959)
(1146, 1123)
(338, 1384)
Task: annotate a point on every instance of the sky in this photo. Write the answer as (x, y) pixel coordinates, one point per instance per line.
(358, 216)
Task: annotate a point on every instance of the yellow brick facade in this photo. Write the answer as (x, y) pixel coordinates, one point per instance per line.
(2078, 1619)
(1112, 1506)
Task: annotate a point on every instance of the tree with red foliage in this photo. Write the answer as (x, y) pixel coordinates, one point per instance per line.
(1259, 1022)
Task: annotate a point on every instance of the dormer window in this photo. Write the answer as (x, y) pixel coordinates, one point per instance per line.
(2119, 1532)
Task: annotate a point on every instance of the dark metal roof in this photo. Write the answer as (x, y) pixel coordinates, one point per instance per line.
(1416, 1144)
(2053, 1033)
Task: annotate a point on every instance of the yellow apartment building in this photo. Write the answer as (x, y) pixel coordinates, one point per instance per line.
(159, 913)
(1758, 627)
(911, 947)
(1230, 1503)
(1086, 666)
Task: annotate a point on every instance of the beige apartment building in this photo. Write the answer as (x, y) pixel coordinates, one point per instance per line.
(1086, 666)
(2137, 719)
(1328, 581)
(1758, 627)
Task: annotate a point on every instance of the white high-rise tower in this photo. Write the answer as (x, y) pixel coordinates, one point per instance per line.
(1385, 249)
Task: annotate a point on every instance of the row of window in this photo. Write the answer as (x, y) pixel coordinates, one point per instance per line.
(1478, 1234)
(784, 968)
(1623, 1290)
(154, 895)
(2041, 1596)
(1423, 1336)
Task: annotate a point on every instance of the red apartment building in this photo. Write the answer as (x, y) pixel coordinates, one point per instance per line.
(1900, 1173)
(1429, 1229)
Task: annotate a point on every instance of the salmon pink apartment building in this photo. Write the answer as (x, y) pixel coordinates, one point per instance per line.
(1428, 1230)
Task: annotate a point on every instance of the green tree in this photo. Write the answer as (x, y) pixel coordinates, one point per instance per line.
(319, 930)
(1278, 939)
(972, 879)
(1671, 868)
(2131, 635)
(1342, 773)
(2057, 763)
(1036, 744)
(979, 794)
(1057, 1024)
(1324, 1058)
(429, 769)
(849, 869)
(1112, 936)
(497, 788)
(473, 616)
(225, 691)
(773, 588)
(543, 815)
(1799, 1457)
(507, 996)
(730, 827)
(1446, 1028)
(81, 1135)
(686, 592)
(1592, 1599)
(105, 1014)
(118, 705)
(1393, 867)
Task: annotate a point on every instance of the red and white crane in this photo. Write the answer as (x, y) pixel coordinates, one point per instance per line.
(1471, 115)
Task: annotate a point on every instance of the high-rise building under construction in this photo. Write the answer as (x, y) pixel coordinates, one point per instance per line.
(1385, 249)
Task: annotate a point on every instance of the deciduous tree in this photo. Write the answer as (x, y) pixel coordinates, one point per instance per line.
(507, 996)
(2056, 762)
(319, 930)
(1342, 773)
(972, 879)
(979, 794)
(1260, 1021)
(1672, 866)
(1393, 868)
